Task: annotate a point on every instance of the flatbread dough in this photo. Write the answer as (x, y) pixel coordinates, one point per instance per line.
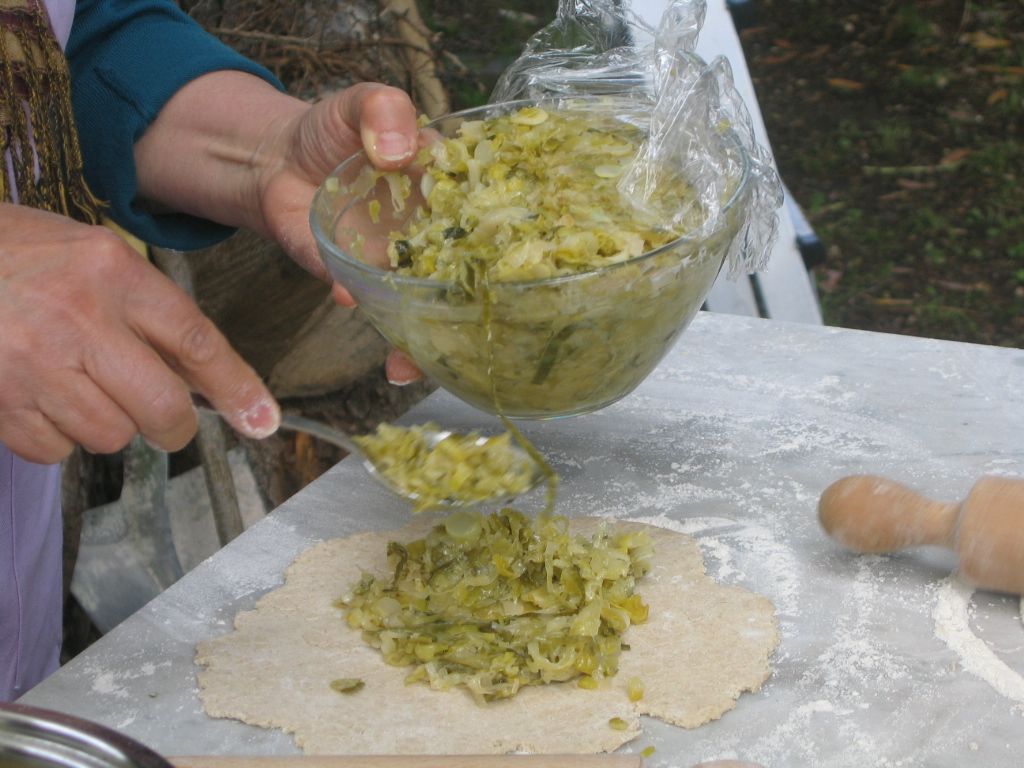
(702, 646)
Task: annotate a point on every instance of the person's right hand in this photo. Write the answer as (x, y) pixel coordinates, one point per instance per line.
(97, 345)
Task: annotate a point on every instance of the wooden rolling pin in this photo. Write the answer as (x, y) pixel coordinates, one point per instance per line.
(415, 761)
(436, 761)
(872, 514)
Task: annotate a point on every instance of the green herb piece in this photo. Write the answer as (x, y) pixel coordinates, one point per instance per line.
(635, 689)
(347, 685)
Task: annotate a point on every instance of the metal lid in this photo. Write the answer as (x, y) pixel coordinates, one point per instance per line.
(38, 738)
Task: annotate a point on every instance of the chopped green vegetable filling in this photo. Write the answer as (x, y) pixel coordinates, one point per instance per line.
(529, 195)
(491, 213)
(618, 724)
(461, 468)
(497, 602)
(347, 685)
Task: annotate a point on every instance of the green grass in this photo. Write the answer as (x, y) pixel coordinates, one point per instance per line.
(914, 179)
(484, 38)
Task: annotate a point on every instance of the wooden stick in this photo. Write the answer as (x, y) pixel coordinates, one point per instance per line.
(908, 170)
(415, 761)
(428, 89)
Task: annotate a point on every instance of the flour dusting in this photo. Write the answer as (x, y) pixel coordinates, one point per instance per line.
(782, 581)
(953, 627)
(105, 683)
(858, 660)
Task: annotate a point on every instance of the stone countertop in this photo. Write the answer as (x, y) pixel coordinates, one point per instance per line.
(884, 660)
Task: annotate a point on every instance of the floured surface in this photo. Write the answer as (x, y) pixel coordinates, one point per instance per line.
(953, 626)
(730, 441)
(703, 645)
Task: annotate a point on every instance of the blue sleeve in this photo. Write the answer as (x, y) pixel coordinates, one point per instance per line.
(127, 59)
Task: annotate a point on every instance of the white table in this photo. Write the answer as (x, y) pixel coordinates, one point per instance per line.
(786, 289)
(731, 439)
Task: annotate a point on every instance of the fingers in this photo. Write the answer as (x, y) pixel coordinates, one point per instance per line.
(400, 370)
(195, 350)
(341, 295)
(384, 118)
(84, 414)
(33, 437)
(129, 372)
(386, 121)
(376, 117)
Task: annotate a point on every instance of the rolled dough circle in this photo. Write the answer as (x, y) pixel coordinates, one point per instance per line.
(703, 645)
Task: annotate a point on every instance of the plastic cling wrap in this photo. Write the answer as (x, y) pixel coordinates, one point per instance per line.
(688, 108)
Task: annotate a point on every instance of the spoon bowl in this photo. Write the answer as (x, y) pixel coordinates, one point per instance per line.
(433, 438)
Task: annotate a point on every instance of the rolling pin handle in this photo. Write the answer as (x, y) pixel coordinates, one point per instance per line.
(872, 514)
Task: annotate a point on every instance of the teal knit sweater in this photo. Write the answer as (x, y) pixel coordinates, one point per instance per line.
(127, 59)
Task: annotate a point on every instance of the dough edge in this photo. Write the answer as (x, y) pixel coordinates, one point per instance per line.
(273, 670)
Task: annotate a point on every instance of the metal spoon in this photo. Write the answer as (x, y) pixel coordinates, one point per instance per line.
(344, 441)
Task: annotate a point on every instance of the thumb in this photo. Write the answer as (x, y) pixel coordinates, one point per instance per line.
(370, 116)
(400, 370)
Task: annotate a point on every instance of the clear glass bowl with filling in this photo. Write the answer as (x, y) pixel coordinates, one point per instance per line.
(535, 349)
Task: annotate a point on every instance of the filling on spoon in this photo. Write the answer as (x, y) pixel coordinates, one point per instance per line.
(461, 469)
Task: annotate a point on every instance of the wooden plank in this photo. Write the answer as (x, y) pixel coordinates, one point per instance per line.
(733, 297)
(281, 319)
(785, 285)
(415, 761)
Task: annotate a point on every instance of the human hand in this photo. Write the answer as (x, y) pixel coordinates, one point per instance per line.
(231, 148)
(98, 345)
(310, 145)
(376, 117)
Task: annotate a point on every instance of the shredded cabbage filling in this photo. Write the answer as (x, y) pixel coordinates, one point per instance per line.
(530, 195)
(461, 468)
(493, 603)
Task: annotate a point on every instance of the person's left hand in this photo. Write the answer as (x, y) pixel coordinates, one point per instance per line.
(231, 148)
(376, 117)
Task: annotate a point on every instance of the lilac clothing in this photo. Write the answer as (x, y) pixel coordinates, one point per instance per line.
(62, 13)
(31, 587)
(31, 582)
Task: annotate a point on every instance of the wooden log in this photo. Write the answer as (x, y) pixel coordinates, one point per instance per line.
(281, 319)
(427, 90)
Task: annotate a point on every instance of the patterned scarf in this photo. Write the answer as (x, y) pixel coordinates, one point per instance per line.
(35, 112)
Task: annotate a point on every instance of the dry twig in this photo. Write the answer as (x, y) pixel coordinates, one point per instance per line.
(314, 46)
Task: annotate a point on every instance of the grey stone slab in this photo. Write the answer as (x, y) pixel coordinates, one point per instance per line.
(731, 439)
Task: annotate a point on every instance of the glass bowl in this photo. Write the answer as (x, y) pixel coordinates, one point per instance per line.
(536, 349)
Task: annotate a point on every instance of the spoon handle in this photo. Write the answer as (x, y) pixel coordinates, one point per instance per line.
(295, 423)
(319, 429)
